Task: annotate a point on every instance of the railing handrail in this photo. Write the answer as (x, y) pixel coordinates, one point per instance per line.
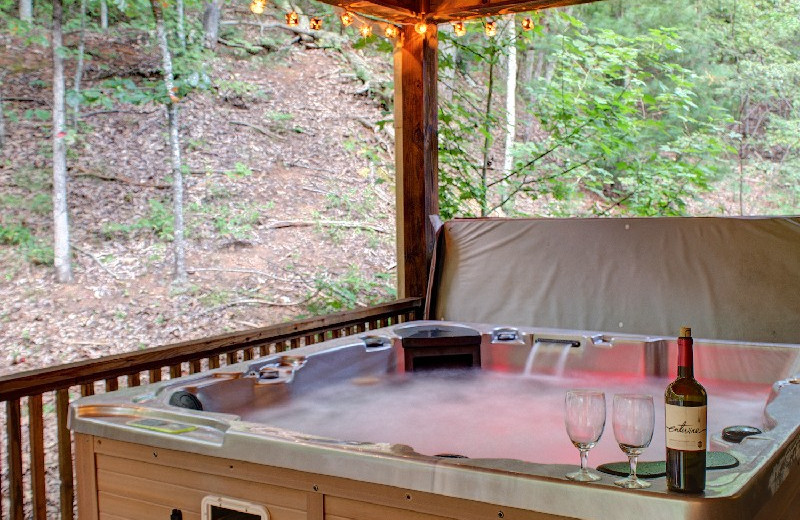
(34, 382)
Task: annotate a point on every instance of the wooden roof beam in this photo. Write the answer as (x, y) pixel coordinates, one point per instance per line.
(440, 11)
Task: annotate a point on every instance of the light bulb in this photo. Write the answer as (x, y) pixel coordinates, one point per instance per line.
(315, 24)
(365, 31)
(390, 32)
(421, 28)
(257, 6)
(490, 28)
(347, 18)
(527, 24)
(292, 20)
(459, 28)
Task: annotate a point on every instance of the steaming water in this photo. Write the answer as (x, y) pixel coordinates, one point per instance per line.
(487, 414)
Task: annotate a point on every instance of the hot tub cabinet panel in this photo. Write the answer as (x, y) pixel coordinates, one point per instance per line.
(133, 482)
(341, 430)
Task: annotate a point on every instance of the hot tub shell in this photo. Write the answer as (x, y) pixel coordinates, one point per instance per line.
(128, 472)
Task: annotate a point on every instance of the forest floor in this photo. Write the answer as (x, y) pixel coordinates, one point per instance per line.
(289, 202)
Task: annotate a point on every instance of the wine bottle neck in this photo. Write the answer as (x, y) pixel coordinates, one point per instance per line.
(685, 361)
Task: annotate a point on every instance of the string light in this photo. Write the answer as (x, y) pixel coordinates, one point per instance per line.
(257, 6)
(527, 24)
(421, 28)
(365, 31)
(459, 28)
(490, 28)
(391, 32)
(315, 24)
(292, 20)
(347, 18)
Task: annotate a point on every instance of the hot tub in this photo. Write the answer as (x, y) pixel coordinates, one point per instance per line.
(342, 429)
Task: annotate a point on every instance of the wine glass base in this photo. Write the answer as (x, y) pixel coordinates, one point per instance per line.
(583, 476)
(632, 483)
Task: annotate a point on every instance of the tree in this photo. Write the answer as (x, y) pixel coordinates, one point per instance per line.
(26, 10)
(104, 15)
(2, 115)
(171, 101)
(620, 130)
(61, 243)
(211, 17)
(511, 101)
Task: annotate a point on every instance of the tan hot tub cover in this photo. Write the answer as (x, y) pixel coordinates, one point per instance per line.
(727, 278)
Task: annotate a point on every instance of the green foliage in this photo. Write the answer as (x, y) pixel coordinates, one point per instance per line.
(621, 132)
(33, 249)
(239, 170)
(348, 291)
(159, 221)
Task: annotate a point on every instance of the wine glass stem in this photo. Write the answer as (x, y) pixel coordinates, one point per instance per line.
(584, 460)
(633, 459)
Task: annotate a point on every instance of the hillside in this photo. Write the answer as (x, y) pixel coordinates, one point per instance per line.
(289, 208)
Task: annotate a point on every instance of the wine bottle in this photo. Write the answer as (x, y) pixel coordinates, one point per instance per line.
(685, 403)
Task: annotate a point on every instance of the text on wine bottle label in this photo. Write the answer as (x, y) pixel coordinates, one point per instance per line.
(686, 427)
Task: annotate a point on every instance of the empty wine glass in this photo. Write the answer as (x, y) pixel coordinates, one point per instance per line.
(585, 417)
(633, 418)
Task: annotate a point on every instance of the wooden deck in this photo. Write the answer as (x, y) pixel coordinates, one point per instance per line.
(45, 395)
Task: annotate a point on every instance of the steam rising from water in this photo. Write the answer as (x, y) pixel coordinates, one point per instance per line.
(488, 414)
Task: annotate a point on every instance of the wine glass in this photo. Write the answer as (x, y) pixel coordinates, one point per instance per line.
(585, 418)
(633, 418)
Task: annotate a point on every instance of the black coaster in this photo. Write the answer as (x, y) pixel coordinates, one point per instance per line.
(656, 469)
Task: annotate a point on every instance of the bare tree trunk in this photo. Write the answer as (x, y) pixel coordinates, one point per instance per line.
(61, 246)
(211, 17)
(181, 25)
(179, 244)
(26, 10)
(2, 116)
(487, 142)
(511, 113)
(76, 114)
(104, 15)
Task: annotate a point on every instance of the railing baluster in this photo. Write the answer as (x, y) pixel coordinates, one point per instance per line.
(134, 379)
(154, 375)
(87, 389)
(14, 429)
(67, 489)
(36, 436)
(34, 385)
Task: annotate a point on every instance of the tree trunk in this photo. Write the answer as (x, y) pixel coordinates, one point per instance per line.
(104, 15)
(2, 116)
(26, 10)
(181, 25)
(487, 142)
(61, 247)
(179, 245)
(211, 17)
(79, 66)
(511, 115)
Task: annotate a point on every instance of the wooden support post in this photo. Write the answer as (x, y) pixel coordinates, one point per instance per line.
(14, 445)
(416, 156)
(67, 489)
(36, 436)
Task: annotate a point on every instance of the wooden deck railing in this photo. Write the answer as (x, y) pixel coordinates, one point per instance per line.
(38, 445)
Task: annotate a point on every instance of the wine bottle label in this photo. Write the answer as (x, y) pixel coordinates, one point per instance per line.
(686, 427)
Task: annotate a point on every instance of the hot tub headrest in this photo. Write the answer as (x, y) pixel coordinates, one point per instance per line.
(729, 278)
